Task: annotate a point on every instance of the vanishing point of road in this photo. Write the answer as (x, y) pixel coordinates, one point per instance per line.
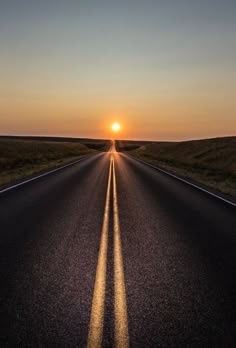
(109, 252)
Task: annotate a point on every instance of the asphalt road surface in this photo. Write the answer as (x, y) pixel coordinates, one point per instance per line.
(109, 252)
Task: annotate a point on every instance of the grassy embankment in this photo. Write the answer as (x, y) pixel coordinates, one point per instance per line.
(23, 157)
(211, 162)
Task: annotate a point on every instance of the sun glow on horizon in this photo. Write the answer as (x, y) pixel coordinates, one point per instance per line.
(115, 127)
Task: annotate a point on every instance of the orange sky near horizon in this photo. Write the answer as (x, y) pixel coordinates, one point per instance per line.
(167, 119)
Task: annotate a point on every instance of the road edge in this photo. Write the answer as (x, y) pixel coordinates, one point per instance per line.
(38, 175)
(183, 180)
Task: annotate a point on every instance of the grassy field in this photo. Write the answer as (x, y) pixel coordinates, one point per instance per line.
(211, 162)
(128, 145)
(22, 156)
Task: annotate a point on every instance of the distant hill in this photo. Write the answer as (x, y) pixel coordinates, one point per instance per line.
(211, 162)
(98, 144)
(22, 157)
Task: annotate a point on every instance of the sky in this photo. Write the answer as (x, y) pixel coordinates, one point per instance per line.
(164, 69)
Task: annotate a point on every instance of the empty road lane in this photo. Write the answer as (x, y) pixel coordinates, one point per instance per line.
(109, 252)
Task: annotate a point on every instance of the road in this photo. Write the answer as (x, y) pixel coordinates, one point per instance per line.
(109, 252)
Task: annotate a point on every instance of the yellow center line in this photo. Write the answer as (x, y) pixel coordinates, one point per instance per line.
(97, 311)
(95, 334)
(120, 307)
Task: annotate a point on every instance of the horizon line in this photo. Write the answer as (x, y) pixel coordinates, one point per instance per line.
(91, 138)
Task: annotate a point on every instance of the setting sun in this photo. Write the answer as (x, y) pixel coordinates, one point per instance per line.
(115, 127)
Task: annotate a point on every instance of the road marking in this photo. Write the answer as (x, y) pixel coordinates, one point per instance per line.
(97, 312)
(120, 307)
(41, 175)
(95, 334)
(183, 180)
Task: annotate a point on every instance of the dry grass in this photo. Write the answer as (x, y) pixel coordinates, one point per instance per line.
(128, 145)
(21, 158)
(211, 162)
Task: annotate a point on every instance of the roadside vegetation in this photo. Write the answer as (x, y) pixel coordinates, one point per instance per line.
(210, 162)
(128, 145)
(23, 157)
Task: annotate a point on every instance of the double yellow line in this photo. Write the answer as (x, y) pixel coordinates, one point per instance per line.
(120, 309)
